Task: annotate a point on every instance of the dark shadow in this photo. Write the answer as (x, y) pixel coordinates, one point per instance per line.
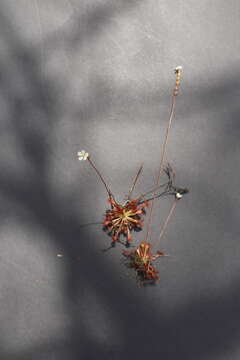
(199, 329)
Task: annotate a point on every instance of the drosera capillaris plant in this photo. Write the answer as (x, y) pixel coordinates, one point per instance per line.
(121, 220)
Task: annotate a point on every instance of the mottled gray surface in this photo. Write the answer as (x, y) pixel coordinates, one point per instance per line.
(97, 75)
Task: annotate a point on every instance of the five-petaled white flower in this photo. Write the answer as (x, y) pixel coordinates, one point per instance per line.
(82, 155)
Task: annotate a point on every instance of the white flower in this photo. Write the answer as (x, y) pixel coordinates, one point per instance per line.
(82, 155)
(178, 195)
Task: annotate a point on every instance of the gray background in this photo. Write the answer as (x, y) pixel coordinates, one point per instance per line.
(97, 75)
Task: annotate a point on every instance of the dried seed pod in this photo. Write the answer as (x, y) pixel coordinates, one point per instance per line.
(178, 71)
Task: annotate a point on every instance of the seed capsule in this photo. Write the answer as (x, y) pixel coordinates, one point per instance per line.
(178, 72)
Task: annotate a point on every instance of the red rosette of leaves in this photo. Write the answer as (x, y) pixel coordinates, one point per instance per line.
(121, 220)
(140, 259)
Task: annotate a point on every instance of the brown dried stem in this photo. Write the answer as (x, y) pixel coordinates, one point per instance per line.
(161, 164)
(101, 177)
(164, 147)
(165, 224)
(134, 182)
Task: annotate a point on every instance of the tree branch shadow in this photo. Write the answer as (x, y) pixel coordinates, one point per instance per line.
(199, 329)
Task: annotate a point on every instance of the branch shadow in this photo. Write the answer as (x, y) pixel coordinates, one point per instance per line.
(200, 329)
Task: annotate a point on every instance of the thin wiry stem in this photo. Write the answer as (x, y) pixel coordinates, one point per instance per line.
(164, 147)
(156, 196)
(90, 224)
(134, 182)
(164, 227)
(151, 191)
(178, 72)
(101, 177)
(161, 163)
